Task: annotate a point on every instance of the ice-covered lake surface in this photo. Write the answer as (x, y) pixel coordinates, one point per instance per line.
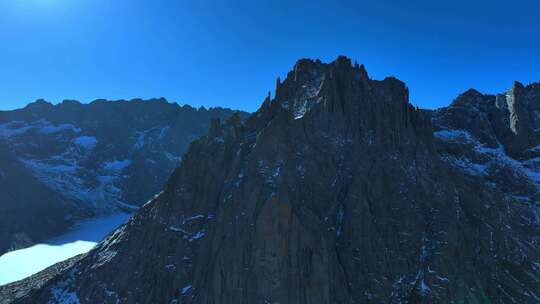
(19, 264)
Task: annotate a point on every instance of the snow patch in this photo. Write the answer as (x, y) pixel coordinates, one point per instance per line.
(497, 156)
(49, 128)
(16, 128)
(176, 229)
(308, 98)
(198, 235)
(80, 239)
(190, 237)
(424, 289)
(117, 166)
(147, 136)
(185, 290)
(86, 142)
(172, 158)
(62, 173)
(453, 135)
(239, 179)
(195, 217)
(13, 128)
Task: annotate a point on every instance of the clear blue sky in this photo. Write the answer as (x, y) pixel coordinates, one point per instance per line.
(229, 52)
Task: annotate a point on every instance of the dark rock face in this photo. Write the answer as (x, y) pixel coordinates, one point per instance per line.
(73, 160)
(335, 191)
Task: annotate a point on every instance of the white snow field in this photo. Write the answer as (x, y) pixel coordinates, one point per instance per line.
(19, 264)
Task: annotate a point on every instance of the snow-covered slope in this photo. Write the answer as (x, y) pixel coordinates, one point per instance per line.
(100, 157)
(18, 264)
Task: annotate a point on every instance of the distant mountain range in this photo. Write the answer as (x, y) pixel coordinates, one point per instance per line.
(72, 160)
(337, 190)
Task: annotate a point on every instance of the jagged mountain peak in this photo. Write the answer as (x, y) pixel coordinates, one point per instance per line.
(517, 86)
(70, 103)
(39, 104)
(332, 192)
(508, 119)
(533, 86)
(341, 94)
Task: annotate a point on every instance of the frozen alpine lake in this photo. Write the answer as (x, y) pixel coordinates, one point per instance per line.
(19, 264)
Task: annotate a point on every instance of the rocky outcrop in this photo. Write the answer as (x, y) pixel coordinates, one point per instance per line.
(495, 139)
(334, 191)
(72, 160)
(509, 120)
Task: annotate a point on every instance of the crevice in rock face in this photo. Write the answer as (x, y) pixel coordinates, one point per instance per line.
(340, 217)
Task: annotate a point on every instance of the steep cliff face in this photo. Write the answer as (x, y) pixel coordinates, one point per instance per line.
(335, 191)
(89, 158)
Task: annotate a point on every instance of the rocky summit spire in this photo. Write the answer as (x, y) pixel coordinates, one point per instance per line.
(332, 192)
(519, 118)
(509, 115)
(340, 93)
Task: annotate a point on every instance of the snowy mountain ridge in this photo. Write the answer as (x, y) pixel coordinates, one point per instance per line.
(104, 156)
